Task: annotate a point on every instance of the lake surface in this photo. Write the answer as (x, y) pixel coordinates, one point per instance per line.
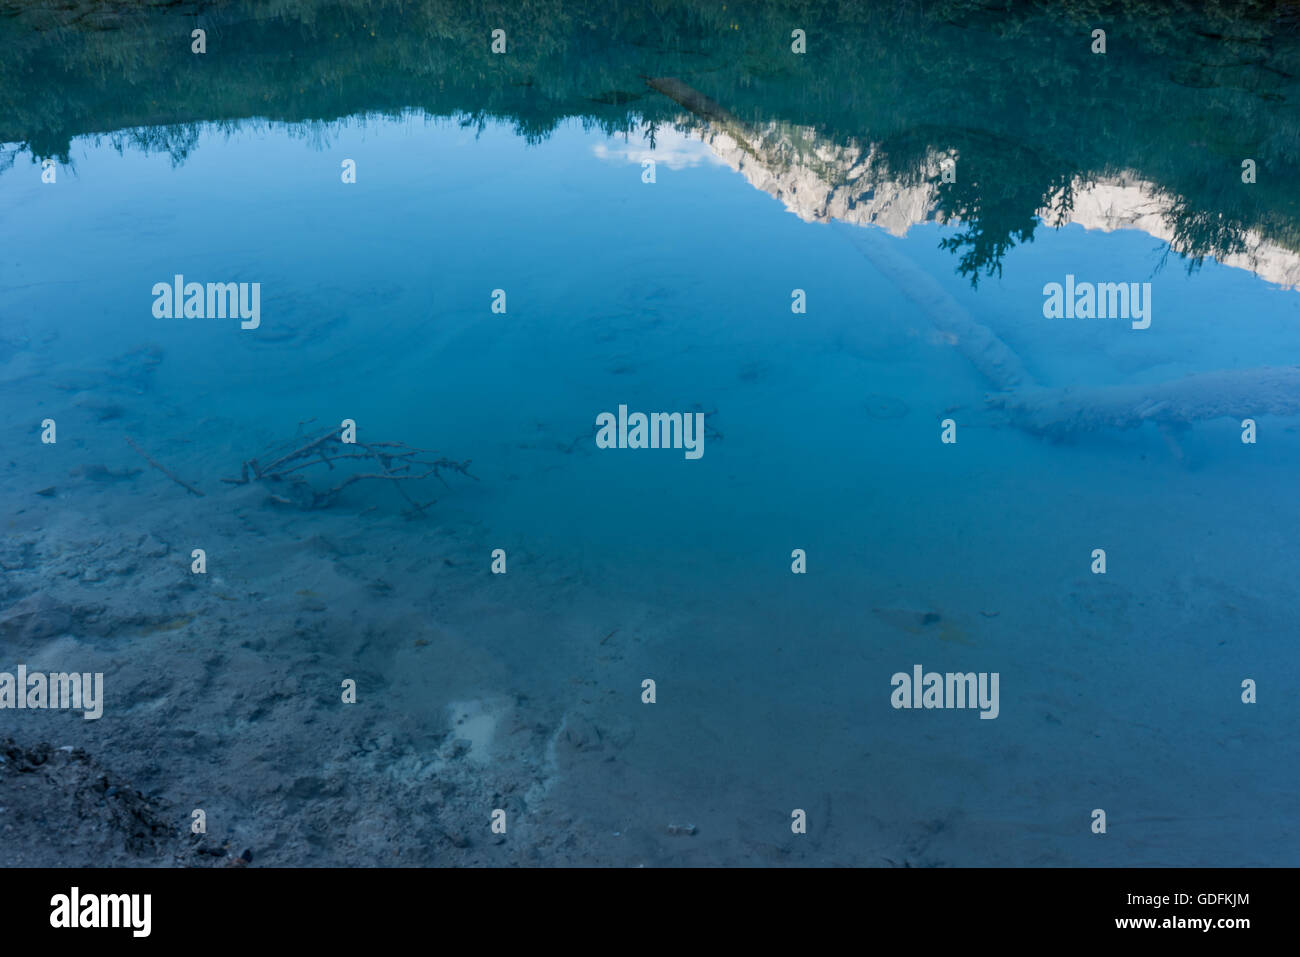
(840, 260)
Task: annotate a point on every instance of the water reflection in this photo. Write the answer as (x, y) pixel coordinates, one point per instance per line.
(822, 427)
(1032, 126)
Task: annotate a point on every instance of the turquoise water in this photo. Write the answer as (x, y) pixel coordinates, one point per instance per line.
(1119, 691)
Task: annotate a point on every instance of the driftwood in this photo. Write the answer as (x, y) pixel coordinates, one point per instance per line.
(394, 462)
(1239, 393)
(994, 359)
(162, 468)
(1171, 406)
(1061, 412)
(988, 353)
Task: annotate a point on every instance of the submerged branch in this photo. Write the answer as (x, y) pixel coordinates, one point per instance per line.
(397, 462)
(162, 468)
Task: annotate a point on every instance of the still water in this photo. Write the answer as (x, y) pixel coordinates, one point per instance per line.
(839, 262)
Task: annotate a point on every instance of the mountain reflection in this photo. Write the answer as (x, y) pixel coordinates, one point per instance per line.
(1032, 127)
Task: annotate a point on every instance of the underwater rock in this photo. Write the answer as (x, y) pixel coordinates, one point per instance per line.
(908, 619)
(456, 837)
(150, 547)
(886, 407)
(34, 618)
(102, 473)
(99, 810)
(927, 623)
(579, 734)
(104, 411)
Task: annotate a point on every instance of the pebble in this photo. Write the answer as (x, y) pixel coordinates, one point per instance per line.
(457, 838)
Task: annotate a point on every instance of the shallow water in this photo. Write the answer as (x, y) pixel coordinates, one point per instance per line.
(523, 691)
